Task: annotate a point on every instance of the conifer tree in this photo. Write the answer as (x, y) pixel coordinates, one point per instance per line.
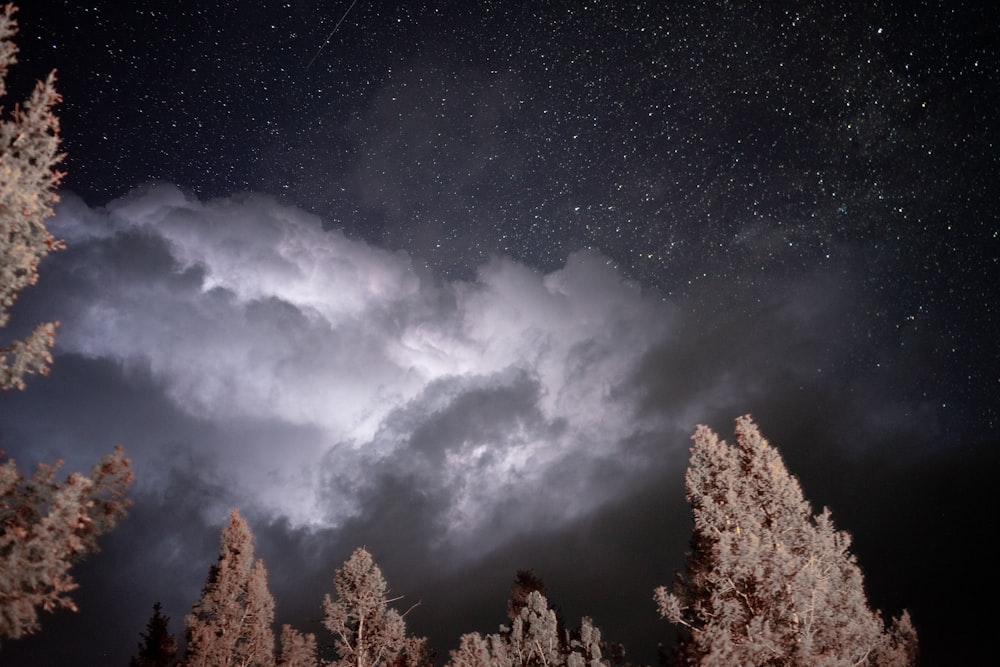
(45, 526)
(367, 631)
(415, 653)
(158, 647)
(533, 639)
(769, 583)
(473, 651)
(257, 647)
(230, 625)
(29, 153)
(587, 648)
(297, 649)
(525, 583)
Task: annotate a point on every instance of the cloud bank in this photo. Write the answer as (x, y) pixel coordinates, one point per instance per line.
(316, 379)
(359, 363)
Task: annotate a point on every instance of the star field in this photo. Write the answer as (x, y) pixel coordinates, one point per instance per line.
(718, 155)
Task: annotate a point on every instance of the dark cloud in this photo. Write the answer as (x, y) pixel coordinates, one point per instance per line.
(341, 395)
(296, 347)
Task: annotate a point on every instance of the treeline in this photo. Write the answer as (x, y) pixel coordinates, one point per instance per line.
(232, 623)
(767, 583)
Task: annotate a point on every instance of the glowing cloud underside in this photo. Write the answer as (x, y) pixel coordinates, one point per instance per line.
(249, 310)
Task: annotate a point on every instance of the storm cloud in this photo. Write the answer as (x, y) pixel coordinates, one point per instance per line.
(354, 363)
(341, 394)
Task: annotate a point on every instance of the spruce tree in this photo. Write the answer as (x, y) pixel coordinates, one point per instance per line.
(230, 625)
(367, 631)
(257, 647)
(769, 583)
(297, 649)
(158, 647)
(533, 639)
(587, 648)
(415, 653)
(29, 153)
(45, 527)
(473, 651)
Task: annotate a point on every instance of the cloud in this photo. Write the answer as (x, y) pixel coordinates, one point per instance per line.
(326, 367)
(310, 377)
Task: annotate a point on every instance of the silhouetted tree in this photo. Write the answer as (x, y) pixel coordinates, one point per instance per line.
(45, 526)
(769, 583)
(297, 649)
(230, 625)
(525, 583)
(158, 647)
(367, 631)
(29, 153)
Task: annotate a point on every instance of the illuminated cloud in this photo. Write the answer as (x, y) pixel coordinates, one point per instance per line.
(247, 311)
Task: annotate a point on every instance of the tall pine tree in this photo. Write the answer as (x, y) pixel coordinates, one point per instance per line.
(230, 625)
(367, 631)
(769, 583)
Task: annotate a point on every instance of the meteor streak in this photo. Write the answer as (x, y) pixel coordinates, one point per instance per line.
(330, 36)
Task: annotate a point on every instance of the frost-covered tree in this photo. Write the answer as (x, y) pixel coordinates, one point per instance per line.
(230, 625)
(768, 582)
(533, 639)
(367, 631)
(256, 648)
(297, 649)
(29, 153)
(415, 653)
(45, 527)
(587, 648)
(158, 647)
(473, 651)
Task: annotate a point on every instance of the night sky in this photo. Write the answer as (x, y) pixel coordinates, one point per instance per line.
(455, 281)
